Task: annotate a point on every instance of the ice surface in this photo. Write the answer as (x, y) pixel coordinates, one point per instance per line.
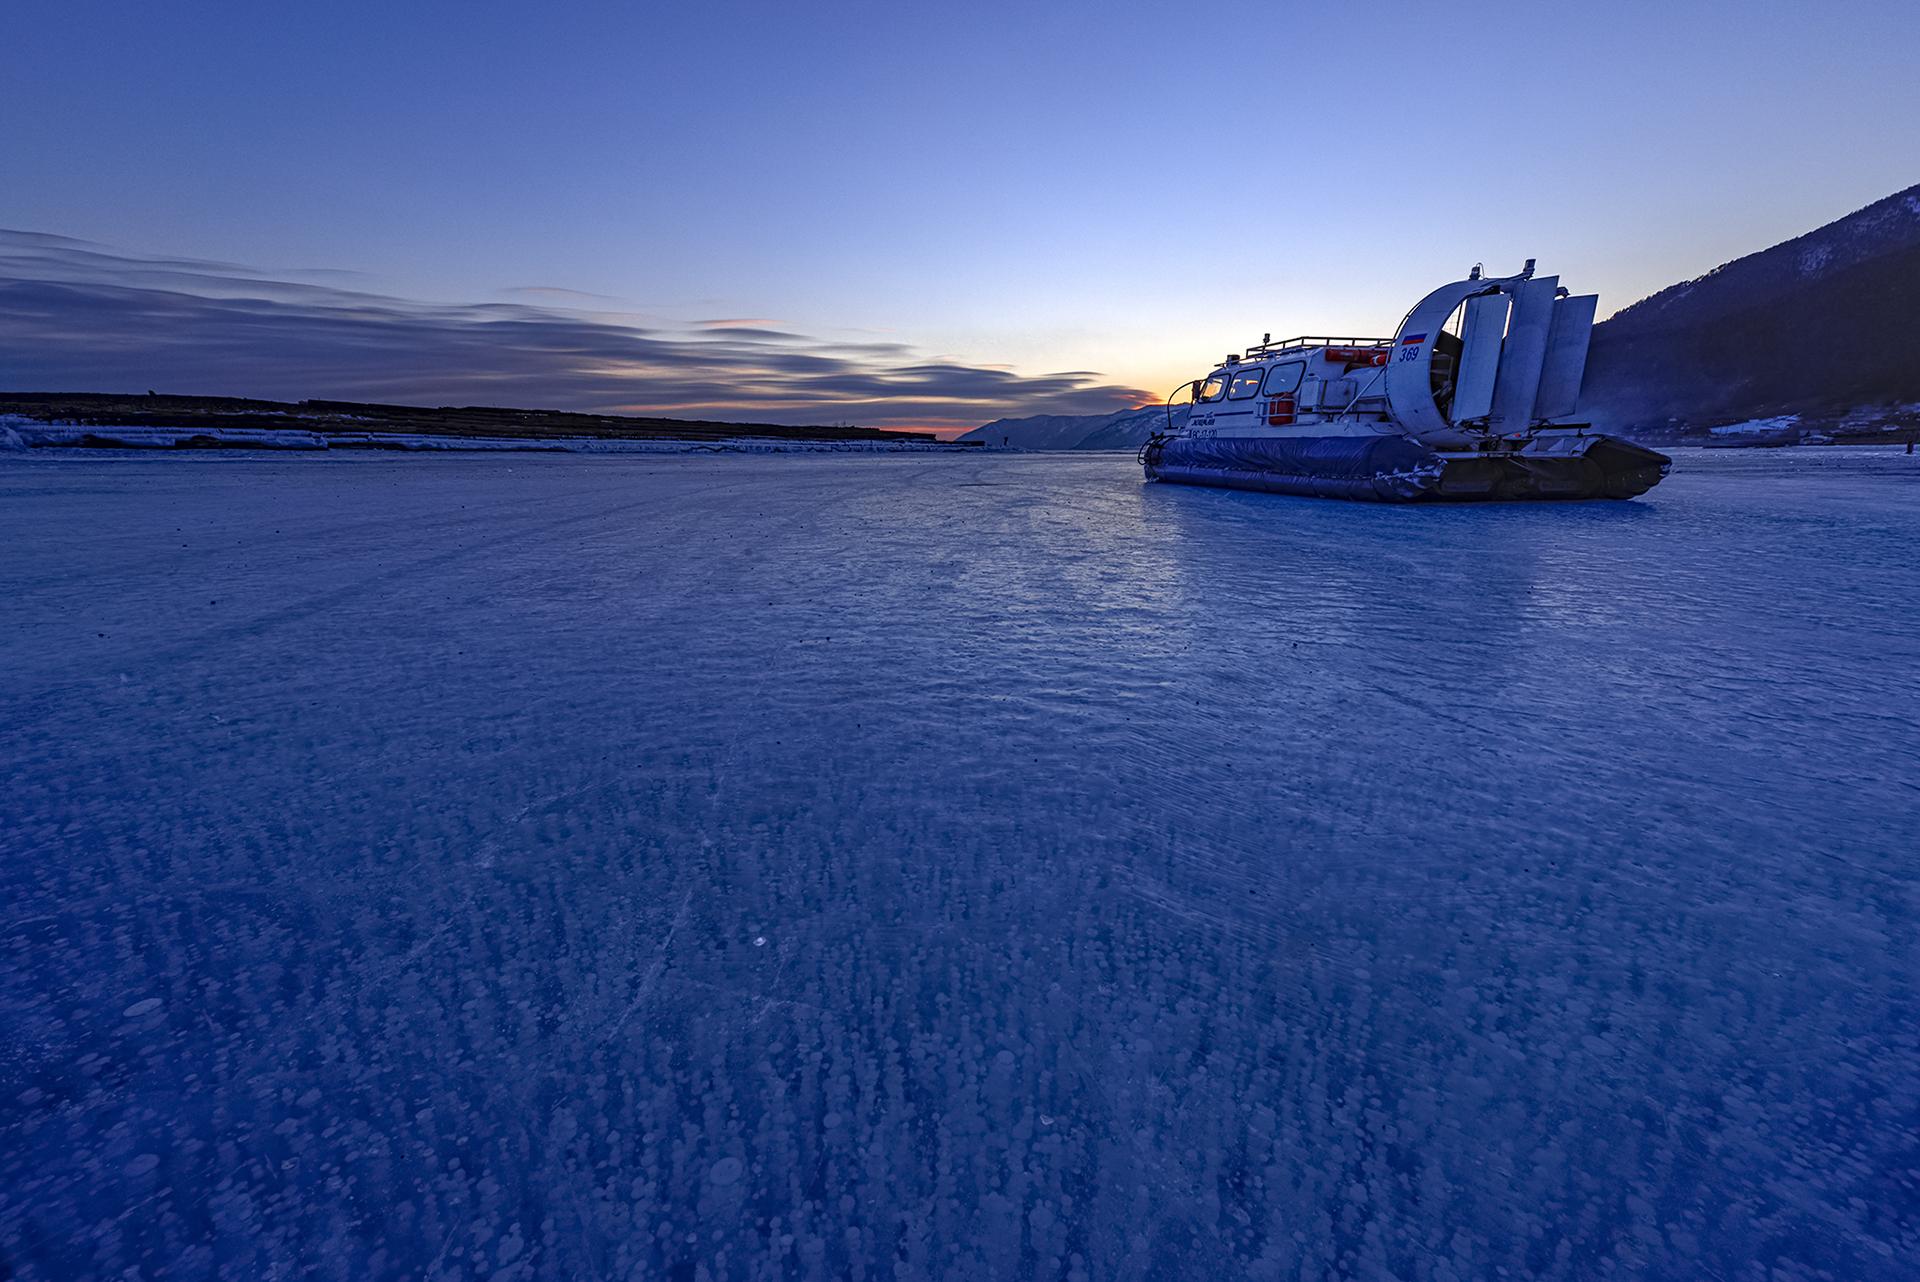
(943, 867)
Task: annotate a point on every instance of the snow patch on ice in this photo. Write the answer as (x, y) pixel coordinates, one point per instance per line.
(1757, 426)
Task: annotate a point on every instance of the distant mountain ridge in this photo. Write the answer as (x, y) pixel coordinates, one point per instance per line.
(1825, 326)
(1121, 430)
(1884, 227)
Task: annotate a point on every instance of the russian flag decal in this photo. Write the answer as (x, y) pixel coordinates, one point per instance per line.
(1413, 338)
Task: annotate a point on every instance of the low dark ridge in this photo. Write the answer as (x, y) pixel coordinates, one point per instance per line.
(89, 409)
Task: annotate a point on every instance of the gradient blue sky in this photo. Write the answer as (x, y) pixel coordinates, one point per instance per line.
(1125, 190)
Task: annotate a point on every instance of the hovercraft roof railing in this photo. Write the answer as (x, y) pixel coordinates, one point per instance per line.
(1260, 350)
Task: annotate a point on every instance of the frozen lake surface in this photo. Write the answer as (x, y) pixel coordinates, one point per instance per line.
(735, 868)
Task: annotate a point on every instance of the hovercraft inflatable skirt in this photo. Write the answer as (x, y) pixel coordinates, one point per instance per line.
(1397, 469)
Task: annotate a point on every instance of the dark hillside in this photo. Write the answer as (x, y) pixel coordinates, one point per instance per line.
(1821, 326)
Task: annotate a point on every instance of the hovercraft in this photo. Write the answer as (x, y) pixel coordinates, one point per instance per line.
(1475, 397)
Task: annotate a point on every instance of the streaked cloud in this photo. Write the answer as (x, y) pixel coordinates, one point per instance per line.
(77, 316)
(557, 291)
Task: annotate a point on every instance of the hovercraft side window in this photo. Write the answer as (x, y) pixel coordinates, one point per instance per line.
(1283, 380)
(1213, 389)
(1245, 385)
